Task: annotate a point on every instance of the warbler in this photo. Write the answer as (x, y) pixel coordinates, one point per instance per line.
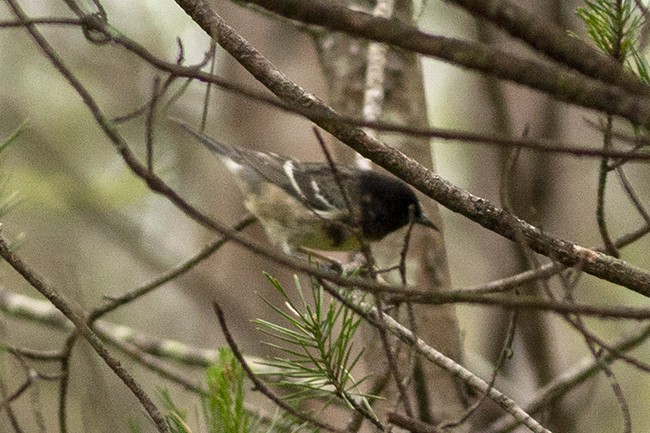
(311, 205)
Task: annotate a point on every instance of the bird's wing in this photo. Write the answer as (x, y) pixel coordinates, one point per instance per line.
(312, 183)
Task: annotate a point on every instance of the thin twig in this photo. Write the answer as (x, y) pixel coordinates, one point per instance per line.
(411, 424)
(40, 355)
(610, 248)
(208, 89)
(370, 314)
(172, 274)
(41, 21)
(150, 120)
(64, 382)
(77, 318)
(154, 364)
(10, 412)
(632, 194)
(568, 381)
(520, 303)
(390, 358)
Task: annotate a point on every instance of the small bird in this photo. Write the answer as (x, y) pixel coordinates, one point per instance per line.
(303, 205)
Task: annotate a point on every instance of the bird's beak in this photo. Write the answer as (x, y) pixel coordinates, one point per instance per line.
(423, 220)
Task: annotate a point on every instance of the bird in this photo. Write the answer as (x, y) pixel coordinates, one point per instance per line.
(316, 205)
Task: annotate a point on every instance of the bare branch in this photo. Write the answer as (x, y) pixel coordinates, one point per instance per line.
(548, 78)
(77, 318)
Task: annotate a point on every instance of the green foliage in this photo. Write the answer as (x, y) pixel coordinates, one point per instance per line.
(317, 361)
(224, 408)
(318, 354)
(615, 27)
(175, 417)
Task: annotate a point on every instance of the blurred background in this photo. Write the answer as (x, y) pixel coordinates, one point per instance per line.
(93, 230)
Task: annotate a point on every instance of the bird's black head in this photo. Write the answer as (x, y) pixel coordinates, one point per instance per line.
(385, 205)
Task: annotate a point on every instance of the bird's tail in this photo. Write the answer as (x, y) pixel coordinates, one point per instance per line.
(223, 150)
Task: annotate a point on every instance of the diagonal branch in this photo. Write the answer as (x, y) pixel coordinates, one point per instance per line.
(554, 41)
(77, 317)
(559, 82)
(371, 314)
(577, 374)
(456, 199)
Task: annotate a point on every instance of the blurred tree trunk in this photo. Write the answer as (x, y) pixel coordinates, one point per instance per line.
(344, 62)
